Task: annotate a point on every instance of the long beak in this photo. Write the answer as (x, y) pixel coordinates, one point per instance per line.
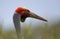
(16, 20)
(37, 17)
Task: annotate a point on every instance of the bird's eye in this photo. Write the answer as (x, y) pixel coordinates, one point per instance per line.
(27, 10)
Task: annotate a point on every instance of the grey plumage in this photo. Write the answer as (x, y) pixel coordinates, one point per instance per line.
(16, 20)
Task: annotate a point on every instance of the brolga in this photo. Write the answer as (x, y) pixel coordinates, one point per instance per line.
(21, 14)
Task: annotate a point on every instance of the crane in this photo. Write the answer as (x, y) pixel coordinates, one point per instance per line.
(20, 15)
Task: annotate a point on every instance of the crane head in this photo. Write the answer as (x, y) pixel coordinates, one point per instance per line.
(24, 13)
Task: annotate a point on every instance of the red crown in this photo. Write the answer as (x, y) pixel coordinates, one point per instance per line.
(19, 9)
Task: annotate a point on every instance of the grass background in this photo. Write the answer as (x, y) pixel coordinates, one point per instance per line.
(38, 32)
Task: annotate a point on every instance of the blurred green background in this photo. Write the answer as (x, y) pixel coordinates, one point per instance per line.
(41, 31)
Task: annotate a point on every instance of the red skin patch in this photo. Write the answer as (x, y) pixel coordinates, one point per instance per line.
(19, 9)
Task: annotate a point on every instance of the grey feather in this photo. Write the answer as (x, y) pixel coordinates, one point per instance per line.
(16, 20)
